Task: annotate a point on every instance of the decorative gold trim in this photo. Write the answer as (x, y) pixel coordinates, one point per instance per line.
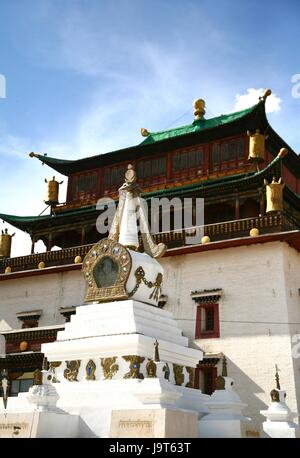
(52, 366)
(38, 377)
(109, 367)
(71, 372)
(119, 254)
(140, 277)
(90, 370)
(135, 365)
(151, 369)
(178, 374)
(220, 382)
(191, 382)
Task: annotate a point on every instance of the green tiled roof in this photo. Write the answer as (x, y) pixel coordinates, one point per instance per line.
(241, 121)
(197, 126)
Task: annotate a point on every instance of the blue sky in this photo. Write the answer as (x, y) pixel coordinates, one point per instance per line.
(83, 76)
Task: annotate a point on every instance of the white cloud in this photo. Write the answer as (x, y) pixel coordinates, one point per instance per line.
(249, 99)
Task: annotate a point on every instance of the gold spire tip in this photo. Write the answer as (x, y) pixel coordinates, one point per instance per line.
(199, 108)
(283, 152)
(144, 132)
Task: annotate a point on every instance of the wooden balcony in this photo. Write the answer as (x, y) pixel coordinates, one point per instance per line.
(273, 223)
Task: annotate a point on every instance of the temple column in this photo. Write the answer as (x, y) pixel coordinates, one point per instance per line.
(32, 245)
(49, 245)
(82, 241)
(237, 207)
(261, 202)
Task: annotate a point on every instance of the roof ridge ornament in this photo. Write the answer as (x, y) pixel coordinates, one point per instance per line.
(266, 94)
(199, 108)
(144, 132)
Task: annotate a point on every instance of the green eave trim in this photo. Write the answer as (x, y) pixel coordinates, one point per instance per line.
(197, 126)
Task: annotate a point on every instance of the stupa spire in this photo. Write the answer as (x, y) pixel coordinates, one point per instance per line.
(131, 209)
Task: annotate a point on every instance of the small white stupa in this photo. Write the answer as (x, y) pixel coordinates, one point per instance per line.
(121, 367)
(279, 422)
(225, 418)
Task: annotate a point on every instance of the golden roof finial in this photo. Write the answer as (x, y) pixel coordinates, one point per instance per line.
(32, 154)
(199, 108)
(265, 95)
(144, 132)
(283, 152)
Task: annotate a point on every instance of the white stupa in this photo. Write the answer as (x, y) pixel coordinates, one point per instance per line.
(121, 367)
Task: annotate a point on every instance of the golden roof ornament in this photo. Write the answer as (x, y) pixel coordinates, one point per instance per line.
(199, 108)
(266, 94)
(144, 132)
(52, 192)
(256, 146)
(5, 243)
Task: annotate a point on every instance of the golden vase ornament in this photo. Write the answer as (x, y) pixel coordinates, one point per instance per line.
(274, 192)
(5, 244)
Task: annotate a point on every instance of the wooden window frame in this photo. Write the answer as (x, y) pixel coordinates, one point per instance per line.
(213, 334)
(205, 370)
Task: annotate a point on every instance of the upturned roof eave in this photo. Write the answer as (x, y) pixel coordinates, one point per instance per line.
(67, 167)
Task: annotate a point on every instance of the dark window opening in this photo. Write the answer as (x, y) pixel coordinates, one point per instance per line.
(20, 386)
(215, 153)
(231, 151)
(224, 152)
(241, 148)
(94, 183)
(81, 183)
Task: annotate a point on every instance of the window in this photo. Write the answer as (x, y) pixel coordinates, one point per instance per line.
(107, 179)
(192, 159)
(155, 167)
(147, 169)
(176, 162)
(140, 171)
(20, 386)
(162, 166)
(29, 319)
(87, 183)
(114, 177)
(207, 321)
(224, 152)
(30, 324)
(231, 151)
(75, 186)
(184, 161)
(81, 183)
(121, 175)
(215, 153)
(241, 148)
(199, 157)
(94, 183)
(205, 379)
